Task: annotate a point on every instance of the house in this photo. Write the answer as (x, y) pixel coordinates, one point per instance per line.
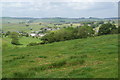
(89, 24)
(96, 30)
(49, 29)
(40, 35)
(33, 34)
(57, 24)
(32, 31)
(95, 22)
(81, 25)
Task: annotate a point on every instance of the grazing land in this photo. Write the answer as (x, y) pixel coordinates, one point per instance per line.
(92, 57)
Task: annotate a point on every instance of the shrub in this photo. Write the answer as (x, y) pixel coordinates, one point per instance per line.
(15, 41)
(118, 29)
(114, 31)
(15, 38)
(7, 33)
(60, 35)
(84, 32)
(106, 29)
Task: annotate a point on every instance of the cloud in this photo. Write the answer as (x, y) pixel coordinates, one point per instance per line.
(12, 4)
(64, 9)
(59, 1)
(80, 5)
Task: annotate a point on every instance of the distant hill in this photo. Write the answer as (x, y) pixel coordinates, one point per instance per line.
(113, 18)
(49, 20)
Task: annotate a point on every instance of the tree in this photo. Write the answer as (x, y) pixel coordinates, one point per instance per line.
(59, 35)
(118, 29)
(94, 25)
(101, 22)
(113, 22)
(27, 25)
(68, 34)
(40, 23)
(106, 29)
(27, 35)
(71, 24)
(15, 38)
(7, 33)
(84, 31)
(48, 38)
(114, 31)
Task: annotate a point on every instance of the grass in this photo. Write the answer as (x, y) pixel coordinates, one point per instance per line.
(6, 42)
(94, 57)
(84, 72)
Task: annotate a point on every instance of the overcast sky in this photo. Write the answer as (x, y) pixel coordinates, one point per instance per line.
(59, 9)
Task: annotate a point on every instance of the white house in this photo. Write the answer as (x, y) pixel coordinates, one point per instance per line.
(41, 35)
(32, 34)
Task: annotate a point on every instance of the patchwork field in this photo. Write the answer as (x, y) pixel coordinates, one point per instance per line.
(19, 24)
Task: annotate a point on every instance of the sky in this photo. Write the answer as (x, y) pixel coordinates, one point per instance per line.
(71, 9)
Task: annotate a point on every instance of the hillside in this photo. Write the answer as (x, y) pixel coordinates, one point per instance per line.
(94, 57)
(6, 42)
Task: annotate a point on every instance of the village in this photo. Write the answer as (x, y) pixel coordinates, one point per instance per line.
(56, 26)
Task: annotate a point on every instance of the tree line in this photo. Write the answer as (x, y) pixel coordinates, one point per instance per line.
(78, 33)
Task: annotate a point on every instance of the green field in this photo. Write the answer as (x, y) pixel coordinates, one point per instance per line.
(14, 24)
(46, 20)
(6, 42)
(94, 57)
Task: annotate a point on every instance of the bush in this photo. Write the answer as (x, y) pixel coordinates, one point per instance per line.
(114, 31)
(84, 32)
(7, 33)
(118, 29)
(15, 41)
(15, 38)
(60, 35)
(106, 29)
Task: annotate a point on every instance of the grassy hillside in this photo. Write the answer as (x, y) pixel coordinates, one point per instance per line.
(94, 57)
(6, 42)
